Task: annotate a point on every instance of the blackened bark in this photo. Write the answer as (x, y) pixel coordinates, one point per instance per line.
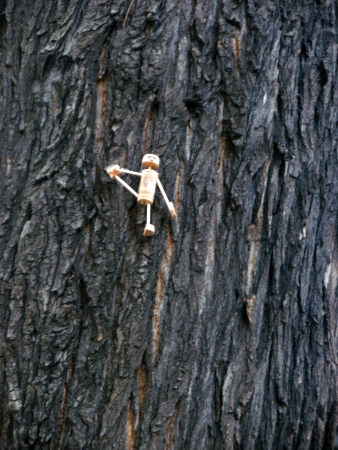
(220, 331)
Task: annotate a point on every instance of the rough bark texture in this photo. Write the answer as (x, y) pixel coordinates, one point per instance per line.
(220, 331)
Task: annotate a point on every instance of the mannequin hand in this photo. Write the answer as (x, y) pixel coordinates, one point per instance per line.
(113, 170)
(172, 210)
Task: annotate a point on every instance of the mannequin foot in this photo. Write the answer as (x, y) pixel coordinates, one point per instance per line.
(149, 230)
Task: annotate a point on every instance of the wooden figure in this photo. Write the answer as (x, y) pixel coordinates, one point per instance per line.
(148, 182)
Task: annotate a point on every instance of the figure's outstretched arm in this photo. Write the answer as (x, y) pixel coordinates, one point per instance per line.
(114, 171)
(169, 204)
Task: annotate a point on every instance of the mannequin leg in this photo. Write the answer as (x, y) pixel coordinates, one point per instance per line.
(149, 229)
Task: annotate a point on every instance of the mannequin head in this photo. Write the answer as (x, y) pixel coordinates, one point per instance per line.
(151, 161)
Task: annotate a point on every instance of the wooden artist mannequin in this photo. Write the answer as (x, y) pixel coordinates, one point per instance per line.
(148, 182)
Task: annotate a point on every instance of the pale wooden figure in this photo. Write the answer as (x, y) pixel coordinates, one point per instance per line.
(148, 182)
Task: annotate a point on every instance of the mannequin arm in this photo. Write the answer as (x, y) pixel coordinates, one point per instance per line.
(131, 172)
(126, 186)
(114, 172)
(169, 204)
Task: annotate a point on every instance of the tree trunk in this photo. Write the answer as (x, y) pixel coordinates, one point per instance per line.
(220, 331)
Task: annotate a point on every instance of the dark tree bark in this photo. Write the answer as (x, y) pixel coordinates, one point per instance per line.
(220, 331)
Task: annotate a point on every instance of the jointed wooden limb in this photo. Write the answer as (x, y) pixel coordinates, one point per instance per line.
(131, 172)
(149, 229)
(115, 170)
(169, 204)
(148, 214)
(126, 186)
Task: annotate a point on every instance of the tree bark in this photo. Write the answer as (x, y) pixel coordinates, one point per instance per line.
(220, 331)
